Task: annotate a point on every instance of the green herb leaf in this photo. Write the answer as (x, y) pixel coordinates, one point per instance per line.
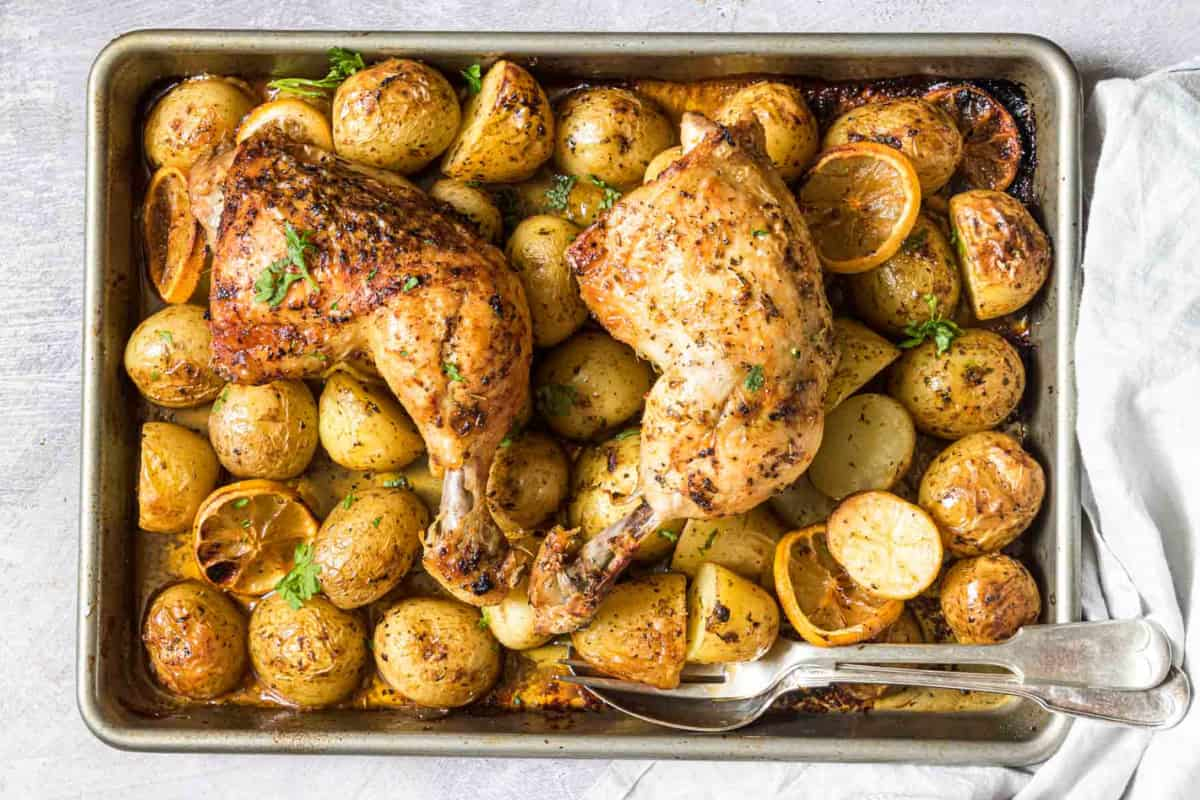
(555, 399)
(483, 622)
(754, 378)
(342, 64)
(245, 523)
(166, 337)
(221, 400)
(273, 282)
(241, 502)
(301, 582)
(556, 195)
(915, 240)
(514, 431)
(410, 283)
(611, 195)
(758, 233)
(670, 535)
(334, 307)
(371, 275)
(474, 78)
(398, 482)
(627, 433)
(451, 370)
(375, 522)
(708, 543)
(349, 500)
(942, 331)
(155, 374)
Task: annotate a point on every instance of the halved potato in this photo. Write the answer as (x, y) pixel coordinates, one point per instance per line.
(729, 617)
(472, 203)
(743, 543)
(639, 632)
(527, 482)
(863, 355)
(887, 545)
(1005, 254)
(507, 130)
(868, 444)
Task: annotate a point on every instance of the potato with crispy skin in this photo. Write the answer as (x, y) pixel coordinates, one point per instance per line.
(862, 354)
(194, 119)
(195, 638)
(611, 133)
(169, 356)
(472, 203)
(267, 431)
(1005, 254)
(590, 384)
(177, 470)
(986, 599)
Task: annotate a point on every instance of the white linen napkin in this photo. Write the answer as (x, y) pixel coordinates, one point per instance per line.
(1138, 372)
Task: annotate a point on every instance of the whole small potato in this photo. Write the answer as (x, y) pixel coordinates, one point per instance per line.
(789, 127)
(1004, 252)
(177, 470)
(527, 482)
(312, 656)
(168, 356)
(472, 203)
(367, 544)
(362, 426)
(611, 133)
(987, 599)
(661, 161)
(920, 130)
(579, 201)
(267, 431)
(590, 384)
(893, 295)
(435, 653)
(195, 637)
(983, 491)
(512, 620)
(194, 119)
(398, 114)
(536, 251)
(971, 387)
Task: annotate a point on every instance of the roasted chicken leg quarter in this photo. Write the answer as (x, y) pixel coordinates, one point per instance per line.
(709, 272)
(316, 259)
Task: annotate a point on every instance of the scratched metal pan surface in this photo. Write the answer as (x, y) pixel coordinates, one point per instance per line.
(112, 701)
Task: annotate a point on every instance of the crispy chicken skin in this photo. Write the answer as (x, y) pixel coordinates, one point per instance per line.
(438, 308)
(709, 272)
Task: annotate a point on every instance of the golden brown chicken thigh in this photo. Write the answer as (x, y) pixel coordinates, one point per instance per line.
(709, 272)
(317, 258)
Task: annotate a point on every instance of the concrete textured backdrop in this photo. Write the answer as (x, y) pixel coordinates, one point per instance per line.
(46, 48)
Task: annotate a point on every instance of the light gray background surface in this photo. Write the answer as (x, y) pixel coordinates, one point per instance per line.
(46, 48)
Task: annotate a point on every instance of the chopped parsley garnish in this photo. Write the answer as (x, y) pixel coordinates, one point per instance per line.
(483, 622)
(754, 378)
(473, 75)
(628, 432)
(668, 534)
(451, 370)
(273, 282)
(708, 543)
(245, 523)
(399, 482)
(342, 64)
(349, 500)
(371, 275)
(515, 430)
(942, 331)
(410, 283)
(555, 399)
(758, 233)
(301, 582)
(221, 400)
(166, 337)
(915, 241)
(611, 195)
(556, 195)
(334, 307)
(375, 522)
(241, 502)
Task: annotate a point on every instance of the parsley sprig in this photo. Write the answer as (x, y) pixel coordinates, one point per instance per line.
(942, 331)
(473, 75)
(611, 195)
(556, 195)
(301, 582)
(274, 281)
(342, 64)
(754, 378)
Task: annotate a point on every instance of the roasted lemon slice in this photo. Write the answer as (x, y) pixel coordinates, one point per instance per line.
(819, 598)
(886, 544)
(860, 201)
(175, 247)
(296, 119)
(991, 139)
(246, 533)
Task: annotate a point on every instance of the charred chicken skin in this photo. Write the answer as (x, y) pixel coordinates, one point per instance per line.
(317, 258)
(709, 272)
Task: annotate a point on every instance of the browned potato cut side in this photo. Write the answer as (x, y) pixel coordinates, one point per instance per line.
(1005, 254)
(729, 617)
(863, 355)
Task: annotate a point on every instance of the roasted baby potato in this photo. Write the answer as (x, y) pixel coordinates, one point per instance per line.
(590, 384)
(801, 505)
(435, 653)
(527, 482)
(507, 130)
(177, 470)
(983, 491)
(193, 120)
(920, 130)
(661, 161)
(639, 632)
(511, 621)
(398, 114)
(611, 133)
(312, 656)
(363, 427)
(367, 544)
(971, 387)
(790, 128)
(168, 356)
(1005, 254)
(577, 200)
(472, 203)
(987, 599)
(730, 618)
(195, 637)
(868, 443)
(863, 354)
(742, 543)
(267, 431)
(537, 251)
(893, 295)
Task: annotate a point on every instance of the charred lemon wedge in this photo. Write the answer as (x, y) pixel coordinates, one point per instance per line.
(295, 119)
(175, 249)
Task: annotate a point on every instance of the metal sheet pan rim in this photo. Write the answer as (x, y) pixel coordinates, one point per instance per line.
(1048, 57)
